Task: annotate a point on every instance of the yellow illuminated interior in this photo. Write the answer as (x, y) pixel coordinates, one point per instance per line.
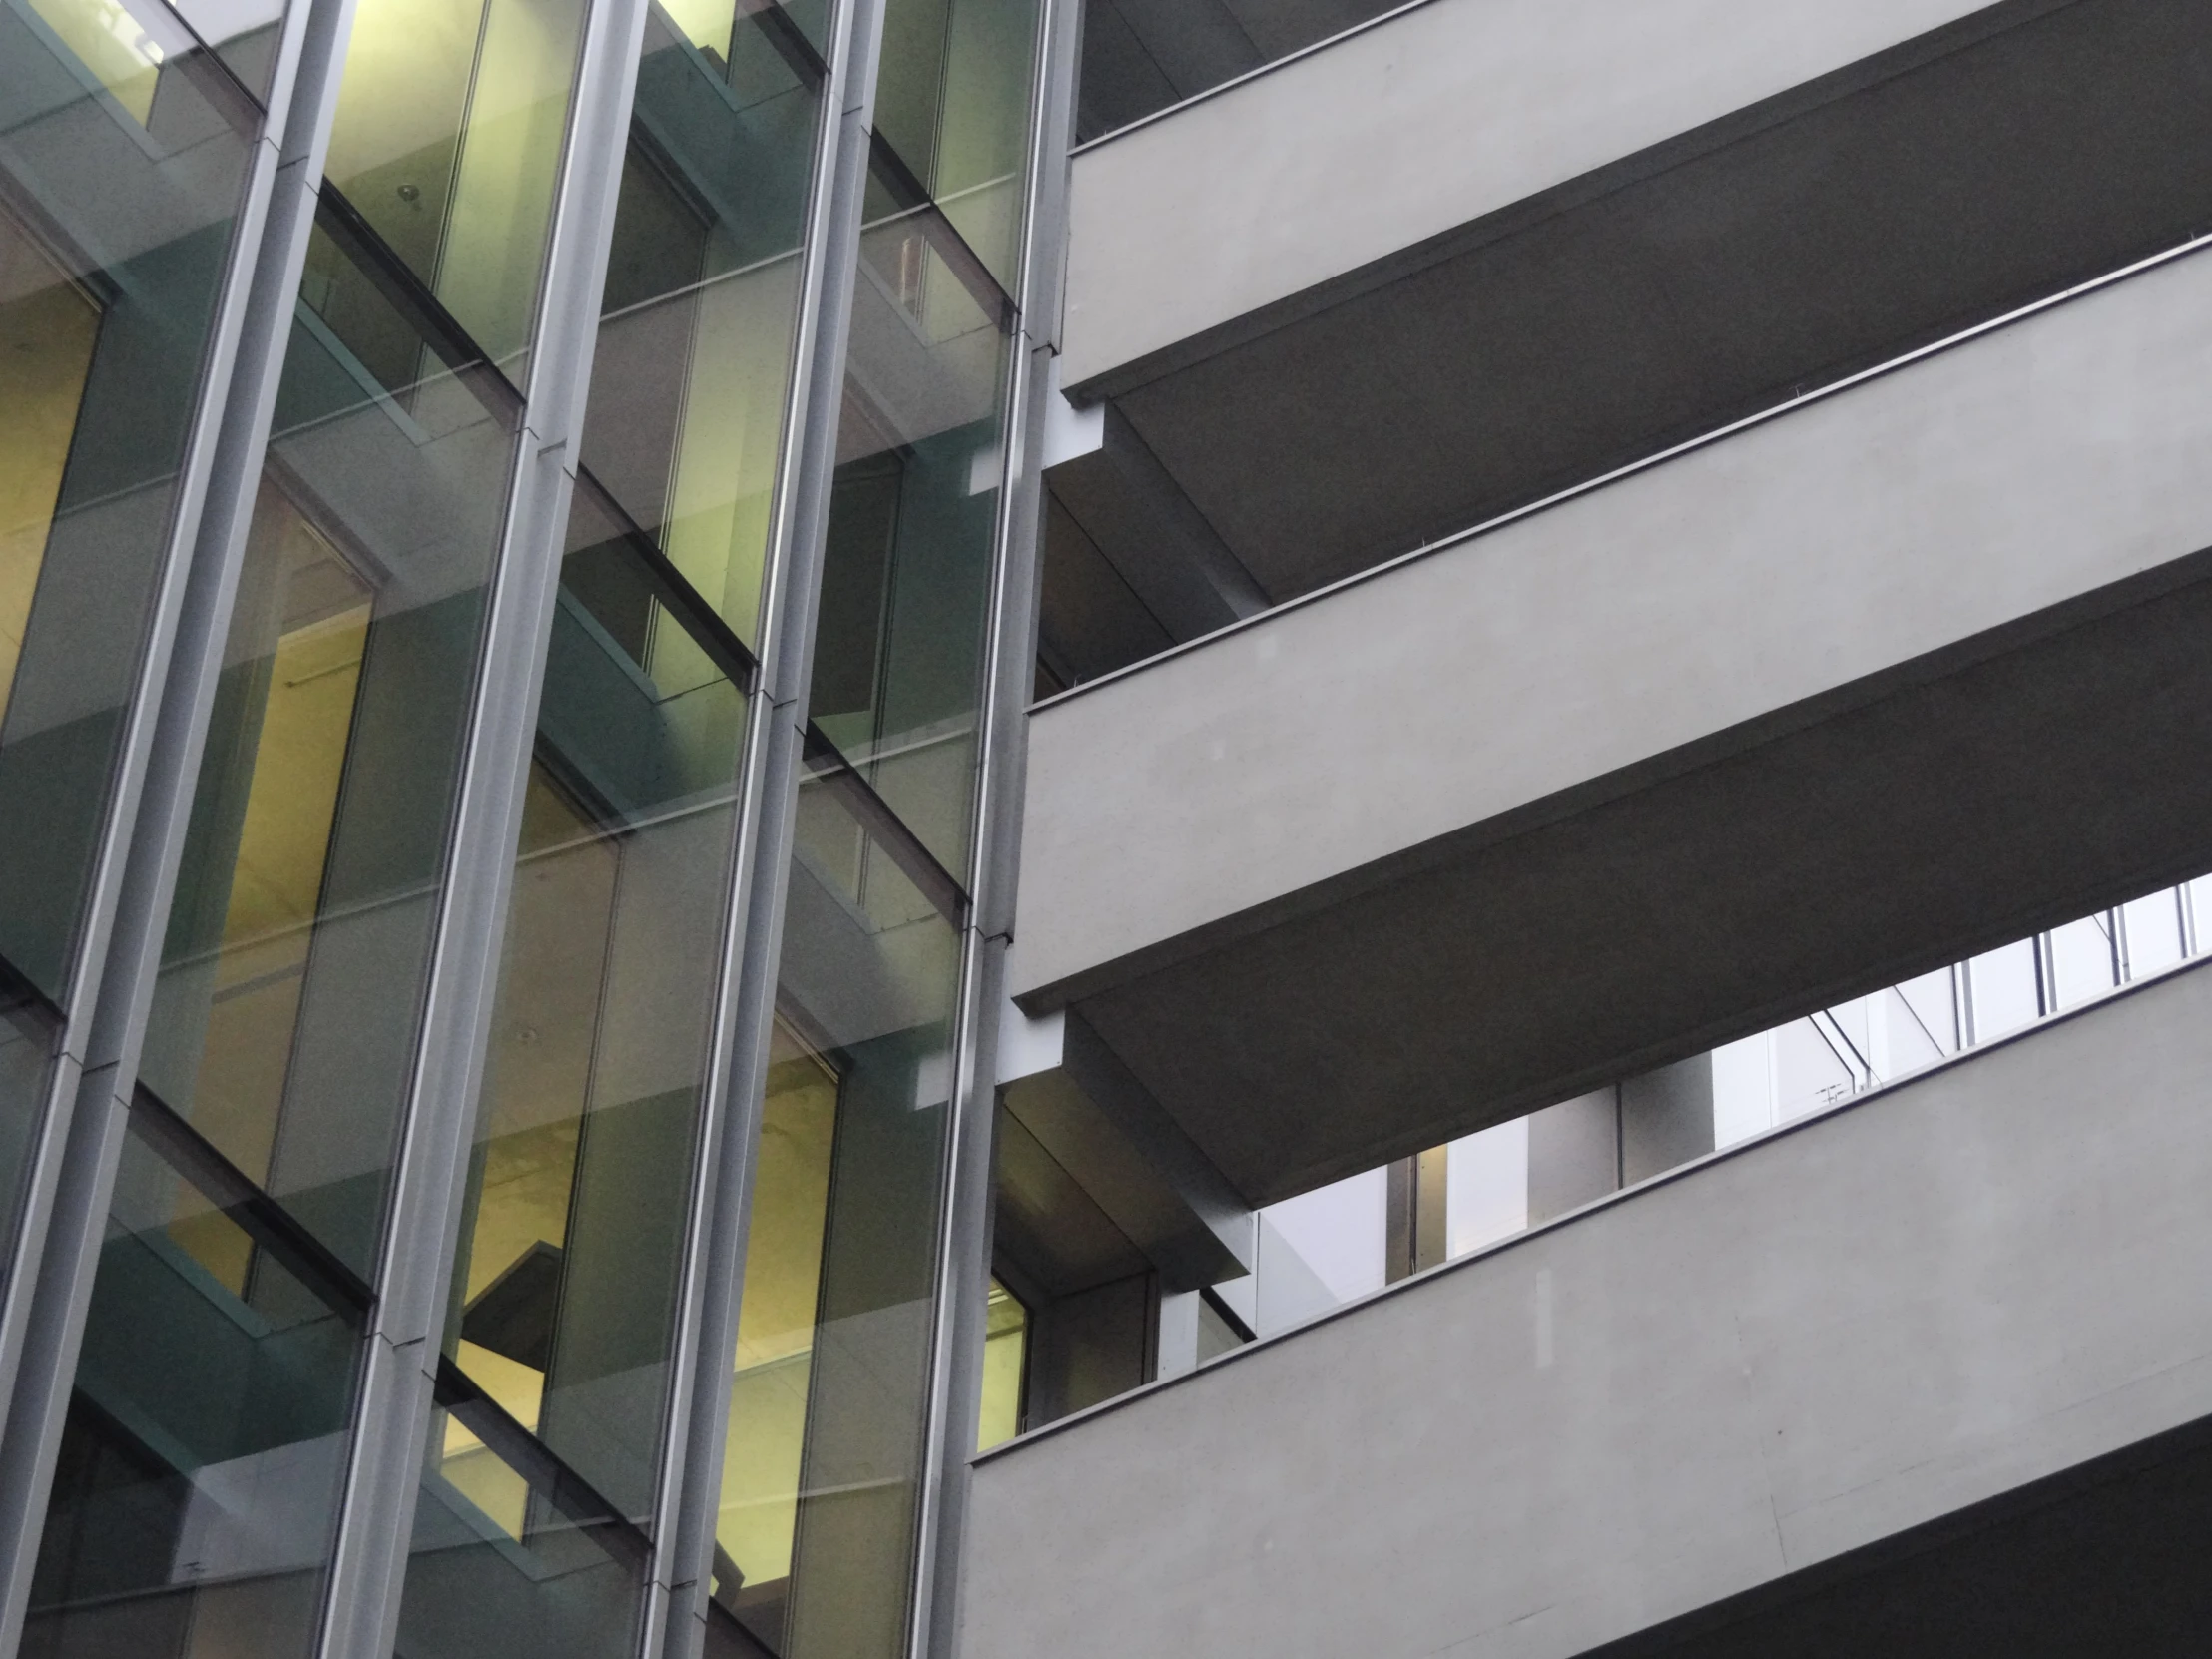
(119, 50)
(313, 676)
(705, 23)
(448, 141)
(47, 328)
(725, 470)
(1006, 1347)
(538, 1087)
(776, 1321)
(304, 722)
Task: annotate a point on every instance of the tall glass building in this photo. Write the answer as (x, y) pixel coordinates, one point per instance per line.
(516, 531)
(1579, 627)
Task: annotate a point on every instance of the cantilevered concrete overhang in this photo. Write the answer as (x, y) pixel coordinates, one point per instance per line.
(1929, 1376)
(1896, 676)
(1479, 252)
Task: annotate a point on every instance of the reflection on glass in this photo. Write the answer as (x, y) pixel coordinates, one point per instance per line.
(954, 101)
(196, 1494)
(775, 1327)
(2005, 990)
(448, 142)
(823, 1467)
(563, 1327)
(30, 1029)
(907, 574)
(905, 588)
(284, 1022)
(565, 1301)
(123, 150)
(1005, 1361)
(693, 362)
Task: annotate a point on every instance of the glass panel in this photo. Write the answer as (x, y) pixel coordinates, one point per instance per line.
(1809, 1074)
(2004, 991)
(906, 571)
(284, 1022)
(30, 1029)
(1489, 1196)
(447, 143)
(1005, 1361)
(243, 33)
(2154, 932)
(823, 1469)
(565, 1300)
(122, 151)
(952, 101)
(2083, 956)
(693, 370)
(1216, 1336)
(196, 1494)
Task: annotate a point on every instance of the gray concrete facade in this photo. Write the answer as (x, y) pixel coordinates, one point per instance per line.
(1980, 1278)
(1846, 694)
(1433, 116)
(1478, 254)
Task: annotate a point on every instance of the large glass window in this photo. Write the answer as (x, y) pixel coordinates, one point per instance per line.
(530, 1532)
(211, 1403)
(822, 1469)
(447, 145)
(200, 1461)
(122, 148)
(908, 570)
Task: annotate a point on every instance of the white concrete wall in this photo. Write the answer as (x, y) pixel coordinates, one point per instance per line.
(1849, 536)
(1969, 1282)
(1396, 134)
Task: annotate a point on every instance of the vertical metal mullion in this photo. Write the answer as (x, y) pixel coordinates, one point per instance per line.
(415, 1266)
(688, 1496)
(75, 1154)
(961, 1312)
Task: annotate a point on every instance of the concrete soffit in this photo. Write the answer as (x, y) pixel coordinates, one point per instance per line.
(1873, 1099)
(1520, 216)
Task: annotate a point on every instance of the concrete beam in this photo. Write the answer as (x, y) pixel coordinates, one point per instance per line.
(1443, 113)
(1483, 253)
(1068, 1093)
(1728, 1380)
(1893, 678)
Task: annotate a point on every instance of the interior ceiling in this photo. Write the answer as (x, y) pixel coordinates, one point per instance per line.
(1935, 819)
(2103, 1559)
(1664, 297)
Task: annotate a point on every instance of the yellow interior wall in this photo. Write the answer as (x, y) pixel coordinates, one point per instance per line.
(705, 23)
(776, 1321)
(725, 469)
(539, 1085)
(448, 139)
(504, 180)
(1005, 1345)
(47, 330)
(290, 812)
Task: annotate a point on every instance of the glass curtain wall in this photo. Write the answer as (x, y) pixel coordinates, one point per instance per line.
(125, 135)
(562, 1329)
(201, 1463)
(818, 1526)
(212, 1408)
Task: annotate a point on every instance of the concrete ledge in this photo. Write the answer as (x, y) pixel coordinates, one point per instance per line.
(1433, 117)
(1816, 228)
(1972, 1281)
(1880, 682)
